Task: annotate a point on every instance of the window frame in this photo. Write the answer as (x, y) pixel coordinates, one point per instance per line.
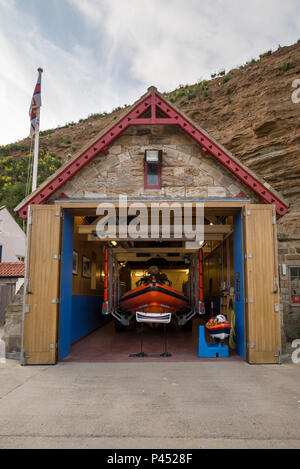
(293, 303)
(148, 186)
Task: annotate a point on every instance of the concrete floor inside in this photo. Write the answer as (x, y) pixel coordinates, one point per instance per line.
(107, 345)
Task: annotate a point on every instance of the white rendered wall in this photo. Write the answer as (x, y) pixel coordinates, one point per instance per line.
(12, 237)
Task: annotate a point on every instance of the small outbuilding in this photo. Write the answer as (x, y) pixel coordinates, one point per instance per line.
(11, 280)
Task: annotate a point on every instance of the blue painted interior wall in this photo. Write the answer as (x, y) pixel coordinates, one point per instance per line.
(239, 295)
(79, 314)
(86, 315)
(66, 287)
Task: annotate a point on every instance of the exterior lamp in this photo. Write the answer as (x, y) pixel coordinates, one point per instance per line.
(153, 162)
(153, 156)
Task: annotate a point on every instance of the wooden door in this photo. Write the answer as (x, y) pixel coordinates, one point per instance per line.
(261, 285)
(42, 286)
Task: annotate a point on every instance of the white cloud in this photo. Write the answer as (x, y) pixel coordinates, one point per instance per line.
(71, 87)
(129, 46)
(179, 41)
(90, 8)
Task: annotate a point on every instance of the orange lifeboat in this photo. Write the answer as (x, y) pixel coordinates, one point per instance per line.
(219, 327)
(154, 294)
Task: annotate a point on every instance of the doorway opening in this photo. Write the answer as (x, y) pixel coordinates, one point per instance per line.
(87, 333)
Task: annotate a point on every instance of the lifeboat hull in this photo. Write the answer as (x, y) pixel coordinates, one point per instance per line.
(154, 298)
(220, 334)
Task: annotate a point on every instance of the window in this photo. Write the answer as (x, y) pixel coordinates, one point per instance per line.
(0, 253)
(153, 160)
(1, 226)
(295, 284)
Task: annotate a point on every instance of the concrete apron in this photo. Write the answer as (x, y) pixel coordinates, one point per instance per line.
(135, 405)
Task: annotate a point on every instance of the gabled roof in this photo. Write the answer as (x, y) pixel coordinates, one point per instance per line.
(153, 109)
(12, 269)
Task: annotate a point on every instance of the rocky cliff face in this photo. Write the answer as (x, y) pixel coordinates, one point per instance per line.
(254, 117)
(249, 110)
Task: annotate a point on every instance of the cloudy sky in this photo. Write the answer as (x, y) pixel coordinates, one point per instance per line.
(100, 54)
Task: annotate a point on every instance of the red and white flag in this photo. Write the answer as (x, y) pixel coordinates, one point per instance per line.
(36, 103)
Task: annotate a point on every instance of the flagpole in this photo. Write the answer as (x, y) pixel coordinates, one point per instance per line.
(36, 142)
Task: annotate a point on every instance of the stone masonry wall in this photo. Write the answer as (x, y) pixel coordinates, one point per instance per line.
(13, 324)
(289, 254)
(185, 172)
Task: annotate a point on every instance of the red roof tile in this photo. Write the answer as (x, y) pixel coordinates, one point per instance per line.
(12, 269)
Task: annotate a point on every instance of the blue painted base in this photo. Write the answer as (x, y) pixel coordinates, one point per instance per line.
(86, 315)
(207, 350)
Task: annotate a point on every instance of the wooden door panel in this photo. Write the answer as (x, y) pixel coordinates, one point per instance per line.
(262, 295)
(42, 286)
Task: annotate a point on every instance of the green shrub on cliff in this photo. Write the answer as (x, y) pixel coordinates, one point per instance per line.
(14, 177)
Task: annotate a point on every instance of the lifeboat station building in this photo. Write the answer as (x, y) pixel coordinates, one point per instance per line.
(75, 275)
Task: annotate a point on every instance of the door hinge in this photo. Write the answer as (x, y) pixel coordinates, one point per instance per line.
(26, 309)
(273, 220)
(278, 356)
(55, 301)
(59, 214)
(249, 300)
(56, 256)
(276, 308)
(27, 287)
(23, 357)
(249, 256)
(53, 346)
(29, 219)
(246, 212)
(251, 346)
